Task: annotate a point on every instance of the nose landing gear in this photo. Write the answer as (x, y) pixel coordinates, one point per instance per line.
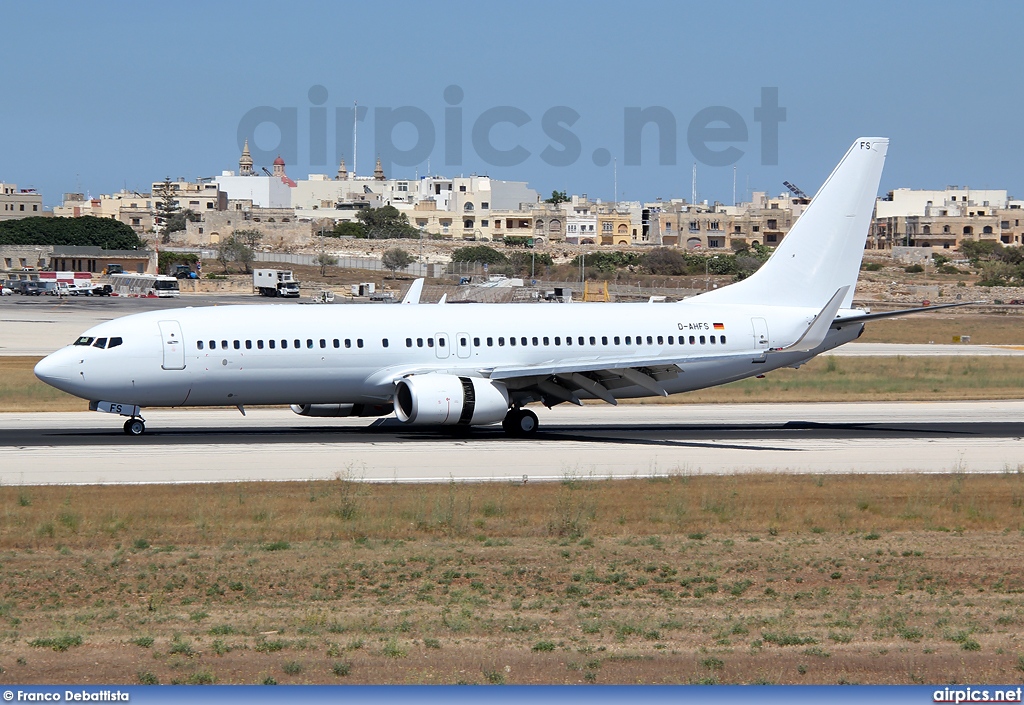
(135, 426)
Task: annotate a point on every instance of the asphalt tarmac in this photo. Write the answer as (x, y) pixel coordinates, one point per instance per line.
(593, 441)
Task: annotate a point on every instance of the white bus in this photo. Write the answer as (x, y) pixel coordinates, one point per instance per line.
(145, 285)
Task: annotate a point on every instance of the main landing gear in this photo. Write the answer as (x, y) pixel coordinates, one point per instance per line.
(520, 422)
(135, 426)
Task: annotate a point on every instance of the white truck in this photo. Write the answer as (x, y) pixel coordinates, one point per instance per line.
(275, 282)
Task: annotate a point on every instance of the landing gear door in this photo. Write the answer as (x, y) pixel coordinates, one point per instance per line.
(173, 345)
(760, 333)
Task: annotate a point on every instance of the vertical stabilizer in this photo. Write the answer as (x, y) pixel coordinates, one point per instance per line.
(823, 251)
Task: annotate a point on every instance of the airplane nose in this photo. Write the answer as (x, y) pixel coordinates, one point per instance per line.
(53, 369)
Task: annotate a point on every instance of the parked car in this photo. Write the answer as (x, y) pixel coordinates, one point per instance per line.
(4, 291)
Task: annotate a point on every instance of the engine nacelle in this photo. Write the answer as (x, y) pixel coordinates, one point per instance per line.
(448, 400)
(325, 410)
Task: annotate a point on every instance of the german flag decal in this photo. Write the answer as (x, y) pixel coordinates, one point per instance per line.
(719, 326)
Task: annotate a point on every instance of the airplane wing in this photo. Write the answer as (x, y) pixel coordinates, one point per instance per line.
(413, 295)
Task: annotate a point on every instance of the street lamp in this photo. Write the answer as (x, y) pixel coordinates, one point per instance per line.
(707, 275)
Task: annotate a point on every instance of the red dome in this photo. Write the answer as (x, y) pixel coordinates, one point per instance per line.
(279, 161)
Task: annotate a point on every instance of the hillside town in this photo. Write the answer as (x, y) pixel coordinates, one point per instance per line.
(295, 215)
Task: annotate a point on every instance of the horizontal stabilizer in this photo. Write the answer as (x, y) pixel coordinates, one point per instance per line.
(861, 317)
(816, 332)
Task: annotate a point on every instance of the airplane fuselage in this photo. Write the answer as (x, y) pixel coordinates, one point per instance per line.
(286, 354)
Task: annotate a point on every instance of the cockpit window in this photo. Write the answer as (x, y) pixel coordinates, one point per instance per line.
(114, 342)
(84, 340)
(100, 343)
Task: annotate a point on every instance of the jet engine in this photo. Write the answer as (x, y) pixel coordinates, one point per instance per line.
(342, 409)
(448, 400)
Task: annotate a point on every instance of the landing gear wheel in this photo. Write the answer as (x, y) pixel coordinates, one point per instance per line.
(134, 427)
(520, 422)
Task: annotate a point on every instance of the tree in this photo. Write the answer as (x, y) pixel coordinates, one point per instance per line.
(178, 221)
(234, 249)
(395, 259)
(166, 207)
(87, 231)
(385, 222)
(245, 246)
(348, 229)
(479, 253)
(557, 197)
(325, 260)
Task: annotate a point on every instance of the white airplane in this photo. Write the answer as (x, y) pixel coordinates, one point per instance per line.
(479, 364)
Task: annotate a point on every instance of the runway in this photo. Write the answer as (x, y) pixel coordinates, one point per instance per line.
(594, 441)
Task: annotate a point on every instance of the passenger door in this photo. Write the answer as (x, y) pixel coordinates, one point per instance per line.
(173, 344)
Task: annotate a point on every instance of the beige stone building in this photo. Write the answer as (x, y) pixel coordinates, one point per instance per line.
(19, 203)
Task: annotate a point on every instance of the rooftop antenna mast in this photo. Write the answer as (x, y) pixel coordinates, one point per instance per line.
(734, 185)
(615, 181)
(355, 135)
(693, 188)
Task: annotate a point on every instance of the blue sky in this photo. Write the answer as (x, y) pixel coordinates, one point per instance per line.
(101, 96)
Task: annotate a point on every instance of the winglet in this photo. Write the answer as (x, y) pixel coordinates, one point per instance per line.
(816, 332)
(413, 295)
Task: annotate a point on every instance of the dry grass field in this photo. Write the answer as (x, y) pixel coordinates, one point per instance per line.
(683, 579)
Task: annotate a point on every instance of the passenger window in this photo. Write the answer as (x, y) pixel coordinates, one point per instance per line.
(476, 342)
(359, 342)
(702, 340)
(384, 342)
(272, 343)
(248, 345)
(114, 342)
(593, 340)
(535, 341)
(337, 343)
(199, 345)
(490, 342)
(430, 342)
(522, 341)
(259, 344)
(721, 339)
(501, 341)
(223, 345)
(568, 340)
(616, 340)
(100, 343)
(419, 343)
(558, 341)
(547, 341)
(712, 339)
(348, 342)
(661, 340)
(463, 342)
(298, 343)
(629, 340)
(309, 343)
(580, 340)
(671, 340)
(440, 342)
(408, 342)
(512, 341)
(213, 345)
(284, 344)
(238, 345)
(693, 340)
(604, 340)
(323, 343)
(650, 340)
